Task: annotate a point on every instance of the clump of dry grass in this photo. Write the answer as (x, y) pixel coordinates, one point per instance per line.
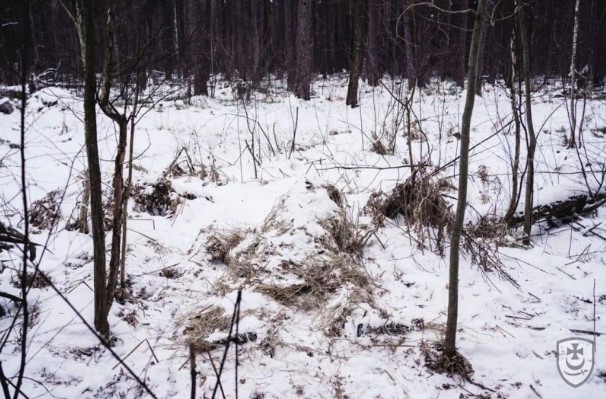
(488, 228)
(419, 200)
(32, 280)
(347, 234)
(335, 263)
(379, 148)
(220, 245)
(303, 267)
(318, 278)
(335, 195)
(437, 361)
(171, 273)
(46, 210)
(200, 327)
(162, 201)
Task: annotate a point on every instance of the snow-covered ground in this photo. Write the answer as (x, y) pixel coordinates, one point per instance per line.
(327, 322)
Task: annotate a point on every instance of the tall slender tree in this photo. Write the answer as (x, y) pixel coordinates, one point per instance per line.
(86, 27)
(121, 119)
(573, 77)
(531, 136)
(450, 349)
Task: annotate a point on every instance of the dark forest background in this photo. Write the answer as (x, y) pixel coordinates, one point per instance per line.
(249, 39)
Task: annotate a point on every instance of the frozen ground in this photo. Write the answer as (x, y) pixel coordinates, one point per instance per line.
(363, 330)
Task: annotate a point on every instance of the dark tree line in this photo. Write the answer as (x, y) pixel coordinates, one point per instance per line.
(248, 39)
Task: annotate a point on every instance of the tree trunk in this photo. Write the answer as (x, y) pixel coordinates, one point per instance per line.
(450, 349)
(118, 219)
(83, 216)
(289, 50)
(481, 59)
(515, 198)
(573, 77)
(532, 140)
(128, 189)
(373, 68)
(462, 46)
(118, 182)
(201, 46)
(409, 46)
(357, 60)
(304, 50)
(94, 171)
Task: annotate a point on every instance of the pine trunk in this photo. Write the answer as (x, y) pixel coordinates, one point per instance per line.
(304, 50)
(357, 59)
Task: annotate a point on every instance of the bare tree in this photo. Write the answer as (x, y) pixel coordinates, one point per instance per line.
(86, 28)
(118, 181)
(450, 349)
(531, 136)
(515, 166)
(573, 77)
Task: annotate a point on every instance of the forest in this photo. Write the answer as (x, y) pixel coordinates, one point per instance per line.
(253, 39)
(272, 199)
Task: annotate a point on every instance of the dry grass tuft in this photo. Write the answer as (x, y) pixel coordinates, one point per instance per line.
(32, 280)
(379, 148)
(219, 246)
(202, 325)
(335, 195)
(46, 210)
(437, 361)
(348, 235)
(420, 201)
(318, 279)
(489, 229)
(161, 201)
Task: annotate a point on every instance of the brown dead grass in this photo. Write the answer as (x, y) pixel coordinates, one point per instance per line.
(46, 210)
(162, 201)
(219, 245)
(199, 327)
(437, 361)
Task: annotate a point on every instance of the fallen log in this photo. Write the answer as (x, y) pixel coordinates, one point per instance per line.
(563, 212)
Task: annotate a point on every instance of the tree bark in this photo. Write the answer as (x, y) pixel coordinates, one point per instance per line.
(304, 50)
(357, 60)
(373, 68)
(118, 181)
(289, 45)
(450, 349)
(573, 77)
(513, 202)
(83, 216)
(462, 46)
(409, 47)
(532, 140)
(201, 46)
(94, 171)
